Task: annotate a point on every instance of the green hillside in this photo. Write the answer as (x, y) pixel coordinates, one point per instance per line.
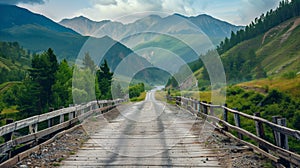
(277, 51)
(14, 61)
(272, 54)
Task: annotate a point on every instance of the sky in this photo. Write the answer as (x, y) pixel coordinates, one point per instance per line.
(238, 12)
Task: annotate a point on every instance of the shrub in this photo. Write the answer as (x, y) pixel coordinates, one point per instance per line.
(289, 75)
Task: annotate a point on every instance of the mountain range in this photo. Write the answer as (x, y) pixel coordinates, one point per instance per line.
(152, 37)
(215, 29)
(37, 33)
(185, 37)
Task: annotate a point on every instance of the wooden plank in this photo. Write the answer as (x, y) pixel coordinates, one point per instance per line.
(13, 161)
(158, 142)
(7, 129)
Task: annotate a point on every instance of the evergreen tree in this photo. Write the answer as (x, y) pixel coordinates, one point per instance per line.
(117, 91)
(104, 77)
(62, 88)
(286, 10)
(88, 62)
(42, 77)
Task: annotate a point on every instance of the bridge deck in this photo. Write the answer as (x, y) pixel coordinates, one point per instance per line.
(145, 134)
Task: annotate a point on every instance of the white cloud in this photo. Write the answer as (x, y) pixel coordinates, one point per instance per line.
(119, 9)
(104, 2)
(251, 9)
(239, 12)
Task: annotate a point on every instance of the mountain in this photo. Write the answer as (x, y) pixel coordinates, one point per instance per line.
(13, 16)
(186, 37)
(216, 29)
(37, 33)
(84, 25)
(14, 62)
(275, 52)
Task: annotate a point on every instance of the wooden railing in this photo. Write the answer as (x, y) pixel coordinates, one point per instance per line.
(55, 121)
(278, 152)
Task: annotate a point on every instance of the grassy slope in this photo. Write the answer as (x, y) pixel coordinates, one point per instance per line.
(9, 65)
(7, 85)
(278, 50)
(289, 86)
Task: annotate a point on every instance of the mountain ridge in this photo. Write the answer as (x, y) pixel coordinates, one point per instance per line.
(37, 33)
(12, 15)
(140, 25)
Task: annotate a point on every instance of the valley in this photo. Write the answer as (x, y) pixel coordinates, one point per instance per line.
(47, 65)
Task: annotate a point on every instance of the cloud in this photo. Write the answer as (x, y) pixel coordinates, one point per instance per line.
(114, 9)
(14, 2)
(251, 9)
(104, 2)
(240, 12)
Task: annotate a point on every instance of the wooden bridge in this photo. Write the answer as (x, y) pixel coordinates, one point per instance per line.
(149, 133)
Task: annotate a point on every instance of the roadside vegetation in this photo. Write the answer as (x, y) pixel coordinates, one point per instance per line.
(41, 83)
(137, 92)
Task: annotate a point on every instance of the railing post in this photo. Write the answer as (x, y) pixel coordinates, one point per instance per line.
(205, 110)
(198, 106)
(225, 117)
(260, 131)
(275, 133)
(51, 120)
(211, 110)
(178, 100)
(71, 115)
(33, 128)
(283, 138)
(237, 122)
(8, 136)
(61, 118)
(195, 105)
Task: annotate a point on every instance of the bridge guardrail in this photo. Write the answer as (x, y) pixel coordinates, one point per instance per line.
(278, 152)
(72, 114)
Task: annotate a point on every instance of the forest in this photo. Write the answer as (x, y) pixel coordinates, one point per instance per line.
(42, 83)
(286, 10)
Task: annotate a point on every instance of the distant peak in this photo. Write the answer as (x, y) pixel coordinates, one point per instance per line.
(81, 18)
(154, 16)
(179, 15)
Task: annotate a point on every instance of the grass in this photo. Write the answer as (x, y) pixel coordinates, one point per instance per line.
(218, 97)
(10, 110)
(161, 95)
(289, 86)
(140, 98)
(7, 85)
(278, 54)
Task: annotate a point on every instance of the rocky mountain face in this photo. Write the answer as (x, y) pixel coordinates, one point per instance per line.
(215, 29)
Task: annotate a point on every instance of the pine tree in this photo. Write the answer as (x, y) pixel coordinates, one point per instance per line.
(88, 62)
(104, 77)
(62, 88)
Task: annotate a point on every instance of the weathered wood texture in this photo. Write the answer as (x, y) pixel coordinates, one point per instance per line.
(145, 134)
(276, 152)
(75, 114)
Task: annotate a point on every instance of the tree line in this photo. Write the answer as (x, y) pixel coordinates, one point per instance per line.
(286, 10)
(14, 61)
(50, 84)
